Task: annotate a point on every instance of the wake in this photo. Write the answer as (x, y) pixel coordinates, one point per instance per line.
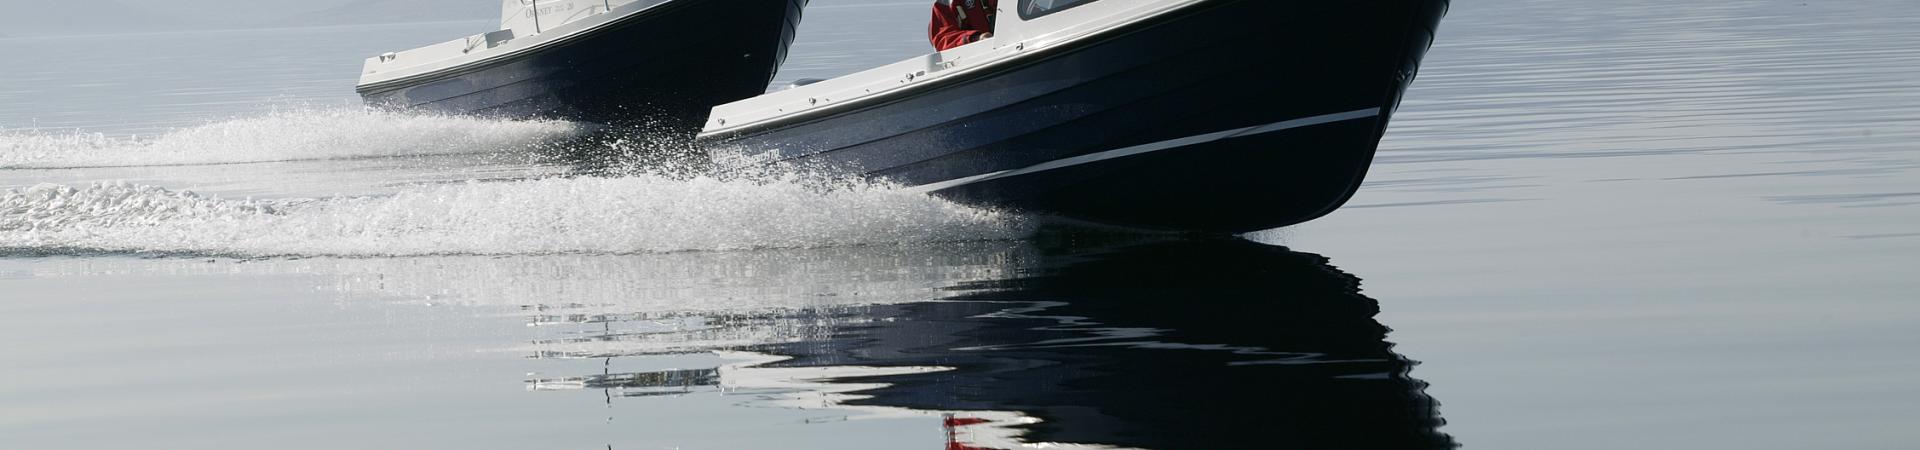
(284, 136)
(634, 214)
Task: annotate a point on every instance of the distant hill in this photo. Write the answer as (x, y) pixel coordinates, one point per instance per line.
(96, 16)
(396, 11)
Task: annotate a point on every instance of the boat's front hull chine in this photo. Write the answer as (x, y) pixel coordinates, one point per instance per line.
(1234, 180)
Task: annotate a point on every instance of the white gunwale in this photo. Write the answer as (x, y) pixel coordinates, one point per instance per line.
(434, 60)
(1013, 39)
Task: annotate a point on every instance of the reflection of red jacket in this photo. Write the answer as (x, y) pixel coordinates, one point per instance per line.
(958, 22)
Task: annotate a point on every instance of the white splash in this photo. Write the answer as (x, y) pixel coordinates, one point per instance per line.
(284, 136)
(639, 214)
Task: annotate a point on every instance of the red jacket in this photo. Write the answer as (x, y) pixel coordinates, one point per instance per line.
(958, 22)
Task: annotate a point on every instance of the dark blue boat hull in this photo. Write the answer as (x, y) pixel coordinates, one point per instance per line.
(667, 66)
(1232, 116)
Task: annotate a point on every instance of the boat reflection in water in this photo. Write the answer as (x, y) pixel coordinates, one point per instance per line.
(1212, 344)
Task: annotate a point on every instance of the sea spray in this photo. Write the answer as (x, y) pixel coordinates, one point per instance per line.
(630, 214)
(105, 206)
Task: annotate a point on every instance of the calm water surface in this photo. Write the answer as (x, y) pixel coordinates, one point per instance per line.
(1593, 225)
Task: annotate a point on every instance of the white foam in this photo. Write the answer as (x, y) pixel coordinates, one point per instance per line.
(284, 136)
(639, 214)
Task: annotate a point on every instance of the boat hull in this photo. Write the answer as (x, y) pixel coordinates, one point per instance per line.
(1229, 116)
(666, 66)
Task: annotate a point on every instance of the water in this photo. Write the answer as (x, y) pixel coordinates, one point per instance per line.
(1620, 225)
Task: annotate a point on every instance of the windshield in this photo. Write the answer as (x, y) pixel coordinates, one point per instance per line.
(1030, 9)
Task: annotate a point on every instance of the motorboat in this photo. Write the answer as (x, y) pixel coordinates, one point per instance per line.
(662, 62)
(1188, 115)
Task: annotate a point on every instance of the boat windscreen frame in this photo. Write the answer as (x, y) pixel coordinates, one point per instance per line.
(1026, 6)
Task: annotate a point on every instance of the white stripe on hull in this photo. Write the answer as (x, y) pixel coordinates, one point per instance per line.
(1153, 147)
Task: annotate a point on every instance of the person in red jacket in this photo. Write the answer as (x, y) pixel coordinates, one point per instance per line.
(960, 22)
